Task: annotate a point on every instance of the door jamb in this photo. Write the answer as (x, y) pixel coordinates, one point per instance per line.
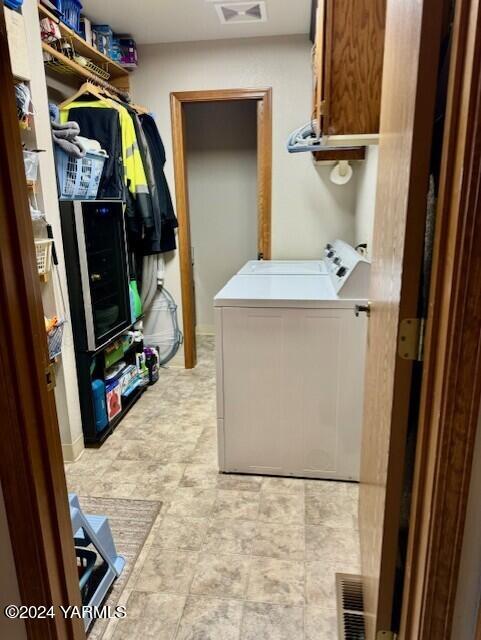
(264, 190)
(451, 388)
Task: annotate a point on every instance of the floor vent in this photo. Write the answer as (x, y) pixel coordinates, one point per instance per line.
(350, 607)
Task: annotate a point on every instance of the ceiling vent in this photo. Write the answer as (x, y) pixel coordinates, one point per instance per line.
(241, 12)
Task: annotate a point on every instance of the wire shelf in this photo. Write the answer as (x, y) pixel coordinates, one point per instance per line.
(66, 47)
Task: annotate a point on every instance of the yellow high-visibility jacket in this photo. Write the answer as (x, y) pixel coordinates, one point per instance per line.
(134, 172)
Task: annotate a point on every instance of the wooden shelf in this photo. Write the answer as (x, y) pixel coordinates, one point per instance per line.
(119, 75)
(339, 153)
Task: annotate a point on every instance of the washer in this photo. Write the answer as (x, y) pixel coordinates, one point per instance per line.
(290, 369)
(284, 267)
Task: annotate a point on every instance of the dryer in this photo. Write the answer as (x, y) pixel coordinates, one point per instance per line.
(290, 369)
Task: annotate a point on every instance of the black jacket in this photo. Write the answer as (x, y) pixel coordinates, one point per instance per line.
(152, 243)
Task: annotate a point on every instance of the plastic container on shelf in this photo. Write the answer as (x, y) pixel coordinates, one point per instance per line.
(43, 251)
(69, 13)
(30, 161)
(54, 337)
(100, 404)
(79, 178)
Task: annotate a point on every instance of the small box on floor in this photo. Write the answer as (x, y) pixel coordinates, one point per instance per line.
(114, 399)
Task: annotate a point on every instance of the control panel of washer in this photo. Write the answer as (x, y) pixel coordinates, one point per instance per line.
(349, 270)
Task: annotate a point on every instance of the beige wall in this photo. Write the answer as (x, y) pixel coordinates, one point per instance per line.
(66, 391)
(307, 209)
(366, 196)
(222, 177)
(9, 594)
(468, 596)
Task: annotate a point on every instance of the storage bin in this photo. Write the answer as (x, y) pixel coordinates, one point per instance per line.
(79, 178)
(69, 13)
(54, 337)
(43, 250)
(30, 161)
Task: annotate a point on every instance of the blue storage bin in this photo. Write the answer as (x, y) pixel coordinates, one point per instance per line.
(13, 4)
(78, 178)
(69, 13)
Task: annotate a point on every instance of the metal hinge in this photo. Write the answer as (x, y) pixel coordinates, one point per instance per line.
(411, 339)
(323, 108)
(386, 635)
(50, 377)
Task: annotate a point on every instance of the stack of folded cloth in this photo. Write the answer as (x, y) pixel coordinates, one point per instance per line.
(67, 136)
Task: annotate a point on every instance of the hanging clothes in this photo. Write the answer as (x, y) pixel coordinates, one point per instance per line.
(151, 242)
(168, 220)
(139, 213)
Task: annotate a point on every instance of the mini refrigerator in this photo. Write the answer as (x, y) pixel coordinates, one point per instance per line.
(96, 261)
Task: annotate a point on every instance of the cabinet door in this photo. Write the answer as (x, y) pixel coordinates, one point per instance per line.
(353, 45)
(318, 68)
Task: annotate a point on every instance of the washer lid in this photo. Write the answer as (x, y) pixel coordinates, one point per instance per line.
(284, 267)
(280, 291)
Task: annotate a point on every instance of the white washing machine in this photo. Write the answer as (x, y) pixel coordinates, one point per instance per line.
(284, 267)
(290, 368)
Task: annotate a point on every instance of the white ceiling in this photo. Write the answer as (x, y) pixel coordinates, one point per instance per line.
(153, 21)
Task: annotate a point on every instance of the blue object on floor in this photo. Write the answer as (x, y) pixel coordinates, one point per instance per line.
(95, 530)
(13, 4)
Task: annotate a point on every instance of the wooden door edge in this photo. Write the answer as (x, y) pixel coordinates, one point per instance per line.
(185, 253)
(31, 466)
(264, 175)
(450, 399)
(264, 193)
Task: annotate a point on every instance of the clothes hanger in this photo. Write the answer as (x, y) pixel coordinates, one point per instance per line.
(87, 87)
(95, 90)
(137, 107)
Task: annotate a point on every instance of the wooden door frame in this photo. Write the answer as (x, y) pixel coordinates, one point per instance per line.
(451, 388)
(178, 99)
(31, 466)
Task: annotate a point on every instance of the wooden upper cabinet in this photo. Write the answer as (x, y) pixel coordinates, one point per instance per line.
(347, 64)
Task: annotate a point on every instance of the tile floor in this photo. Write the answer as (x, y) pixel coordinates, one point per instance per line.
(229, 557)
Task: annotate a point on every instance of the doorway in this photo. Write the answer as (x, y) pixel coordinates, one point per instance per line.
(221, 148)
(261, 99)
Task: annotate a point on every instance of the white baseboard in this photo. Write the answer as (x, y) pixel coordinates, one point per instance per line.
(72, 451)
